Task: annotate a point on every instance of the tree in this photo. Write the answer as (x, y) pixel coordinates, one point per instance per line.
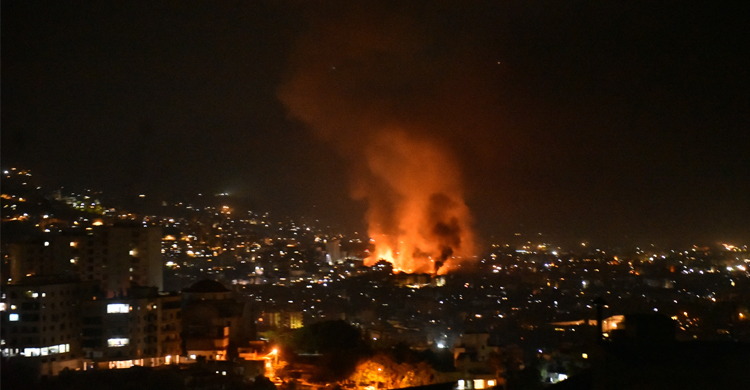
(340, 344)
(262, 383)
(384, 371)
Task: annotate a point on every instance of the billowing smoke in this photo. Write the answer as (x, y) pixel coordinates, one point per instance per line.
(416, 214)
(365, 81)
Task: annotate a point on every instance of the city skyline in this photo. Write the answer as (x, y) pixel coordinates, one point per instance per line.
(93, 292)
(606, 122)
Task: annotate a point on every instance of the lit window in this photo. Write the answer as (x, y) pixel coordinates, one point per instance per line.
(118, 342)
(118, 308)
(490, 382)
(13, 317)
(461, 384)
(479, 383)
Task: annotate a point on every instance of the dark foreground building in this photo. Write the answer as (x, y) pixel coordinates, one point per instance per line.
(643, 355)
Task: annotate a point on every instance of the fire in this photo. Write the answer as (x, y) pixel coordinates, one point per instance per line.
(417, 218)
(403, 263)
(365, 83)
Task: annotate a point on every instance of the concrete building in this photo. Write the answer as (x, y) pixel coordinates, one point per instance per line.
(212, 319)
(117, 257)
(283, 319)
(42, 323)
(89, 298)
(142, 329)
(471, 357)
(333, 251)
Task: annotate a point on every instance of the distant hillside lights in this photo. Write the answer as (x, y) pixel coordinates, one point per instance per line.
(16, 171)
(81, 202)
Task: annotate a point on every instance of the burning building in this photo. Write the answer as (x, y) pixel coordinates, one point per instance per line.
(417, 218)
(366, 85)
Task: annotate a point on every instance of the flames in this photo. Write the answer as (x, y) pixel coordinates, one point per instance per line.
(363, 78)
(417, 219)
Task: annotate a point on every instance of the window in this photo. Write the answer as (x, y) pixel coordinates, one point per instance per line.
(118, 342)
(118, 308)
(13, 317)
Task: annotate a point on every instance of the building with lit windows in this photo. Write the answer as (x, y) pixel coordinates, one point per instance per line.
(65, 301)
(42, 323)
(283, 319)
(117, 257)
(471, 356)
(142, 329)
(212, 319)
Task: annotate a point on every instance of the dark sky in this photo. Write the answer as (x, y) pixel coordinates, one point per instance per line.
(614, 121)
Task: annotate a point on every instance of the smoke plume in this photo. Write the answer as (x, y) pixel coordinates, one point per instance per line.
(365, 81)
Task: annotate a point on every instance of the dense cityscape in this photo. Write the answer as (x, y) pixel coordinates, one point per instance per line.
(374, 195)
(239, 294)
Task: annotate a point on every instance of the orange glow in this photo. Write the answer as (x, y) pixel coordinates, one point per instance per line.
(417, 217)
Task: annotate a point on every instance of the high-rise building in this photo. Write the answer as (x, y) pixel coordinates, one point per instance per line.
(333, 249)
(42, 322)
(141, 329)
(117, 257)
(212, 319)
(89, 298)
(283, 319)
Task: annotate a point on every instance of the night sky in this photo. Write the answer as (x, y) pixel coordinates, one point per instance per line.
(614, 122)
